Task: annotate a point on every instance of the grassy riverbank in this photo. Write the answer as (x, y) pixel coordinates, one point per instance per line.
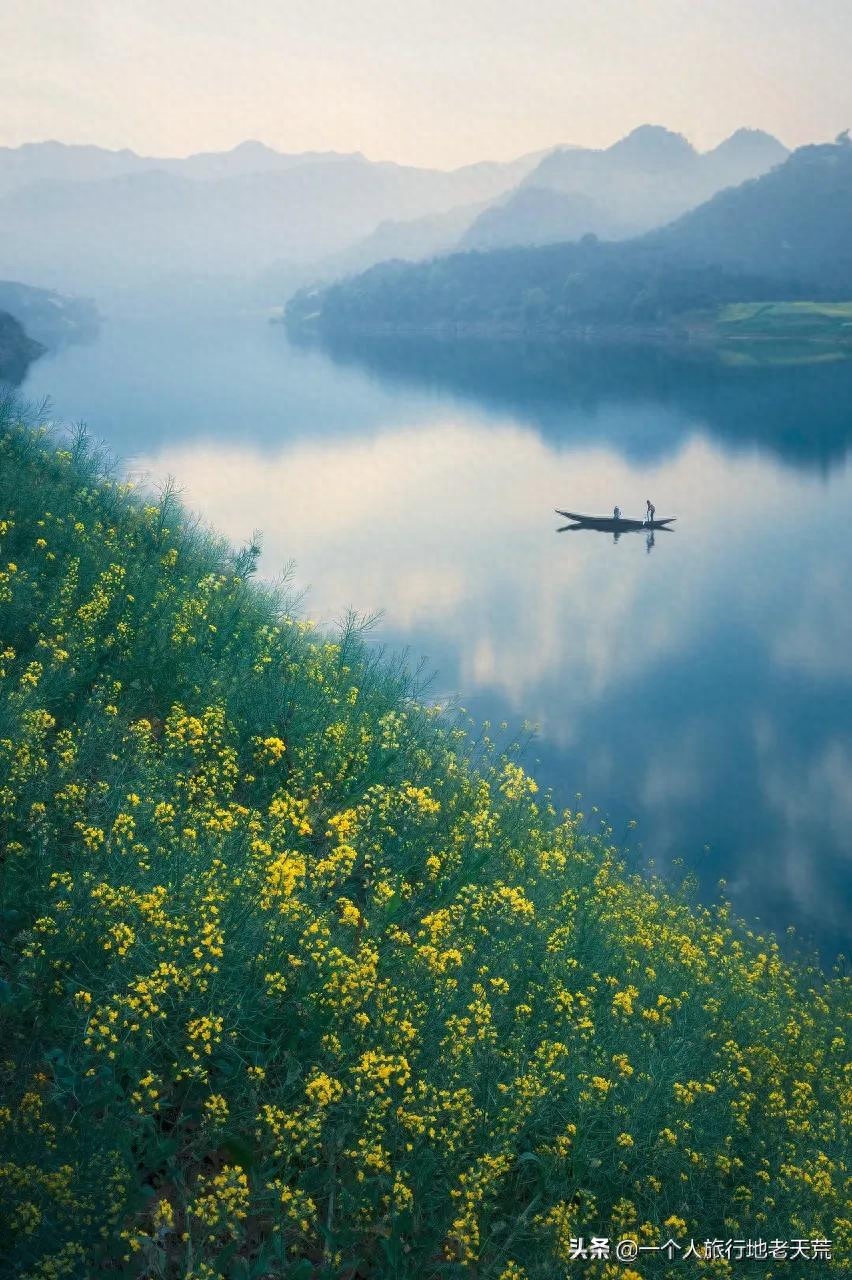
(301, 979)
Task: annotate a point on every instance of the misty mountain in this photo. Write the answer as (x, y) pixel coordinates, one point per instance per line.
(782, 236)
(643, 181)
(62, 162)
(794, 223)
(412, 240)
(54, 161)
(539, 215)
(98, 222)
(748, 153)
(49, 317)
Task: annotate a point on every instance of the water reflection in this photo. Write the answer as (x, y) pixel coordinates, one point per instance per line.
(650, 540)
(221, 378)
(640, 399)
(670, 688)
(705, 690)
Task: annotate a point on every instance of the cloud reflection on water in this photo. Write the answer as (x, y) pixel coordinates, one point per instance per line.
(643, 672)
(449, 530)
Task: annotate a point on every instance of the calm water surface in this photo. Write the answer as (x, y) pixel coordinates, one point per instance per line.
(701, 685)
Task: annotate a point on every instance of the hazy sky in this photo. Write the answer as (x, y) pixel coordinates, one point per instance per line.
(437, 82)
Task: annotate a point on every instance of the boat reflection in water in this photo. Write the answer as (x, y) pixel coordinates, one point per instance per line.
(616, 525)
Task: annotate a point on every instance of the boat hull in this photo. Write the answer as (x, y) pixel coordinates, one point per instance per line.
(609, 525)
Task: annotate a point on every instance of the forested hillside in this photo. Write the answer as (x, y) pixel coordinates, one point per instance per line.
(782, 236)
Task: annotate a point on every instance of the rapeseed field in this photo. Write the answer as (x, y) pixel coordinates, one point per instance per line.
(299, 978)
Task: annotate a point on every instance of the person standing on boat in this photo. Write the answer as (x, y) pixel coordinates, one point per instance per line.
(616, 513)
(650, 511)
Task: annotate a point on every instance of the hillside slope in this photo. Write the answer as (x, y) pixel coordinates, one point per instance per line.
(298, 979)
(39, 162)
(641, 182)
(793, 223)
(552, 289)
(17, 350)
(150, 225)
(784, 236)
(535, 215)
(49, 317)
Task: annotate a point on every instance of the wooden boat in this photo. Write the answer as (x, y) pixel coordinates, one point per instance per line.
(610, 525)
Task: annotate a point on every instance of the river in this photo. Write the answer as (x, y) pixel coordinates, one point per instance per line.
(698, 684)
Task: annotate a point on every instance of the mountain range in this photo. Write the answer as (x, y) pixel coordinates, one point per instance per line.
(641, 182)
(84, 219)
(645, 180)
(60, 162)
(254, 223)
(793, 224)
(785, 235)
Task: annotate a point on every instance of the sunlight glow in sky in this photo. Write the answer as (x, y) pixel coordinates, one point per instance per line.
(429, 82)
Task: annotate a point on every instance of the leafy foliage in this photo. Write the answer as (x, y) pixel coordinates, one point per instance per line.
(301, 979)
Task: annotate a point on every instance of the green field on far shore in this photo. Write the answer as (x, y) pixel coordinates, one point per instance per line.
(808, 321)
